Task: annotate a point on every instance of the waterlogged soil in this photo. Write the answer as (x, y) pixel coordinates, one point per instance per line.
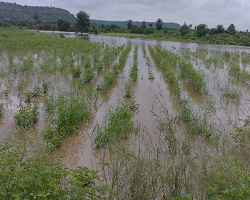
(151, 86)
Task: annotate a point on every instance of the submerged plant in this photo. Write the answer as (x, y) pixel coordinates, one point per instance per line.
(1, 110)
(231, 92)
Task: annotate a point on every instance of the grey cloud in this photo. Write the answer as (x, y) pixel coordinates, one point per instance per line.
(194, 12)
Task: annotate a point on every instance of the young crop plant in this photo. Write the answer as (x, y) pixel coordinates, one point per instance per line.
(116, 126)
(129, 92)
(194, 76)
(167, 68)
(26, 117)
(1, 110)
(231, 93)
(72, 109)
(134, 70)
(235, 71)
(111, 75)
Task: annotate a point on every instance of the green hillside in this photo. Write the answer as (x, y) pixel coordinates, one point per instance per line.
(15, 12)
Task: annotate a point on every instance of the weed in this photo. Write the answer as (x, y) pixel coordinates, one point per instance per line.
(129, 92)
(29, 96)
(49, 104)
(1, 110)
(45, 87)
(26, 117)
(230, 92)
(116, 126)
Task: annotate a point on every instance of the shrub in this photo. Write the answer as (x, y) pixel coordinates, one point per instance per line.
(26, 117)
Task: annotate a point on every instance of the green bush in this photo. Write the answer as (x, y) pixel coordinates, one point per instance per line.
(26, 117)
(34, 178)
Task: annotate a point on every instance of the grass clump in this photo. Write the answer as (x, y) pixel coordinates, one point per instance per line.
(71, 110)
(26, 117)
(116, 126)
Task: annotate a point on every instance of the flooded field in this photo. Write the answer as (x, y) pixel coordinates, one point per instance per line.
(79, 100)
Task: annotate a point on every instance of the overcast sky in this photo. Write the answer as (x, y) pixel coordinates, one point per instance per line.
(211, 12)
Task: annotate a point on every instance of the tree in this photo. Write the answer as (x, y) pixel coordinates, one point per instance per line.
(201, 30)
(184, 29)
(150, 25)
(36, 17)
(219, 29)
(231, 29)
(129, 24)
(190, 26)
(63, 25)
(143, 25)
(159, 24)
(82, 21)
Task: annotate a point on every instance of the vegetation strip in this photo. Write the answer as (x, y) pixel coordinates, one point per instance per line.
(110, 76)
(167, 69)
(187, 69)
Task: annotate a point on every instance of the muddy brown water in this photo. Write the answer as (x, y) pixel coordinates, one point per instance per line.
(77, 148)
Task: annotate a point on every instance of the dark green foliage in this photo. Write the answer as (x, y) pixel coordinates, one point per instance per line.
(159, 24)
(143, 24)
(26, 117)
(63, 25)
(231, 29)
(129, 24)
(219, 29)
(82, 22)
(184, 29)
(201, 30)
(13, 11)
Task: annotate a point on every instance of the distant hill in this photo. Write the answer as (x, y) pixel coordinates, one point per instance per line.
(124, 23)
(15, 12)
